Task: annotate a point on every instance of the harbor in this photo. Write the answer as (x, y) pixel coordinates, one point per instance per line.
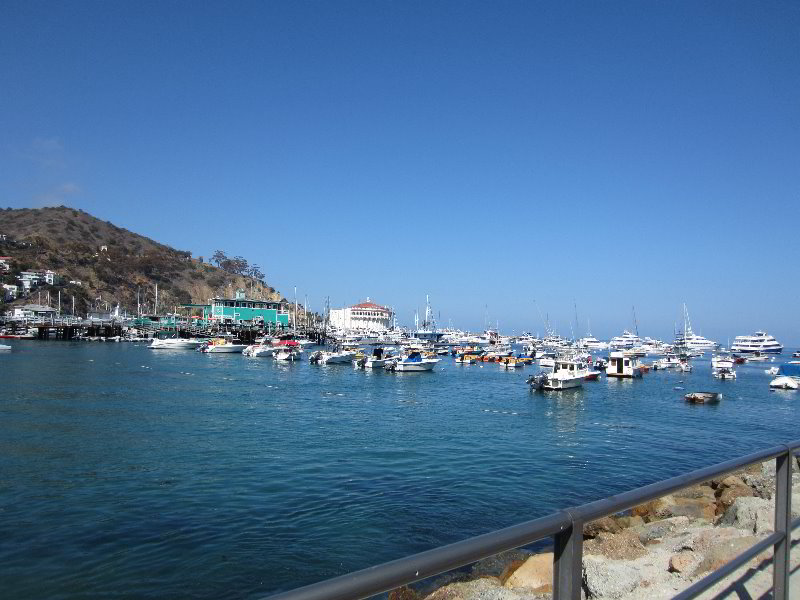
(133, 460)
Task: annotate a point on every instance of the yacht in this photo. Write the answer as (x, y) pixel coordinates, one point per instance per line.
(222, 346)
(688, 341)
(760, 341)
(174, 344)
(626, 341)
(592, 343)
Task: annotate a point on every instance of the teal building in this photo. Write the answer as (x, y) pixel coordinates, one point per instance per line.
(245, 311)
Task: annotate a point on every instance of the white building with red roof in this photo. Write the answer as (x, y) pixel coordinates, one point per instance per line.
(366, 316)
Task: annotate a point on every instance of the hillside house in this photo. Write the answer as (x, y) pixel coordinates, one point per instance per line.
(5, 263)
(31, 279)
(10, 292)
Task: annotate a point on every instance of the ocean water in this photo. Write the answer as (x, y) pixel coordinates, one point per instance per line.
(139, 473)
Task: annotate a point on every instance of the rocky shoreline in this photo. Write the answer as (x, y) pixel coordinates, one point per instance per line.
(654, 552)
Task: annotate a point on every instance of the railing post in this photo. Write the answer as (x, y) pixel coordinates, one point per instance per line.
(783, 518)
(568, 562)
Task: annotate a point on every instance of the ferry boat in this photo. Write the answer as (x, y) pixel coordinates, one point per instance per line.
(760, 341)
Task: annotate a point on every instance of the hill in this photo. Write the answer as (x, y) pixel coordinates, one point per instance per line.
(112, 263)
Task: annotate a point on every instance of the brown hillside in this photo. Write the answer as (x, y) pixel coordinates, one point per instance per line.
(68, 241)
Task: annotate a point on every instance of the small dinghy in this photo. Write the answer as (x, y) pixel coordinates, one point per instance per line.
(703, 397)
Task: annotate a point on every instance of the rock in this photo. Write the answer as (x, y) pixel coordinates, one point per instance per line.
(606, 524)
(694, 508)
(498, 564)
(626, 522)
(730, 481)
(658, 529)
(763, 486)
(621, 546)
(660, 508)
(696, 491)
(480, 589)
(403, 593)
(724, 551)
(755, 515)
(510, 569)
(534, 573)
(684, 562)
(731, 493)
(608, 578)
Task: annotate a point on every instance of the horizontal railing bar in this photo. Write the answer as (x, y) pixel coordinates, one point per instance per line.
(382, 578)
(619, 502)
(712, 578)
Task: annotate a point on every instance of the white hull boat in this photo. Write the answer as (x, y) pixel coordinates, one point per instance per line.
(259, 350)
(4, 347)
(287, 355)
(175, 344)
(332, 358)
(222, 347)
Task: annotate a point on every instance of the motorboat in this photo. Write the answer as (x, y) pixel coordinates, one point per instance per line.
(772, 371)
(760, 341)
(4, 347)
(175, 343)
(222, 346)
(788, 377)
(724, 373)
(465, 359)
(567, 374)
(288, 353)
(796, 354)
(621, 365)
(260, 350)
(412, 362)
(722, 361)
(685, 366)
(323, 357)
(703, 397)
(377, 360)
(513, 363)
(757, 356)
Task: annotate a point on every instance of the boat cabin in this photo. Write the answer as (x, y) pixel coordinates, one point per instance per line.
(621, 364)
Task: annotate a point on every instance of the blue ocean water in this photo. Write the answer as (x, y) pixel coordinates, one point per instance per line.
(141, 473)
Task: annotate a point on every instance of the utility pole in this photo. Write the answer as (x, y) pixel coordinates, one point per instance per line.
(155, 308)
(295, 309)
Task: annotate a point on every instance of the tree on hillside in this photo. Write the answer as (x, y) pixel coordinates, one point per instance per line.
(219, 257)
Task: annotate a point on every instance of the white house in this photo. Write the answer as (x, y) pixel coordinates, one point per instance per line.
(31, 279)
(5, 263)
(10, 292)
(366, 316)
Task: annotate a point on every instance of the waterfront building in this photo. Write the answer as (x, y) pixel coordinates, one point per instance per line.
(31, 311)
(243, 310)
(366, 316)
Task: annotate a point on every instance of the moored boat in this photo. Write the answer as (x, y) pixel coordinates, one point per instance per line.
(703, 397)
(222, 346)
(411, 363)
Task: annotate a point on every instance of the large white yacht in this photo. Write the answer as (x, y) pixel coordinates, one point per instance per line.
(591, 343)
(689, 340)
(760, 341)
(625, 341)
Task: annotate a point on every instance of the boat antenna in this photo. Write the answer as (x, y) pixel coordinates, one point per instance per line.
(635, 323)
(575, 305)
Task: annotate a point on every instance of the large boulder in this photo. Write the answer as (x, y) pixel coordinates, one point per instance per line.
(684, 562)
(604, 578)
(755, 515)
(660, 508)
(658, 529)
(730, 493)
(723, 552)
(499, 563)
(696, 491)
(536, 573)
(605, 525)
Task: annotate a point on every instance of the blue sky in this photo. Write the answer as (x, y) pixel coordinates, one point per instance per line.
(503, 157)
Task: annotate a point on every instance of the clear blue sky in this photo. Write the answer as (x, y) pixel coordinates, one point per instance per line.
(609, 154)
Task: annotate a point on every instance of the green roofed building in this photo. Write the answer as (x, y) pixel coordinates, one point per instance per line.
(246, 311)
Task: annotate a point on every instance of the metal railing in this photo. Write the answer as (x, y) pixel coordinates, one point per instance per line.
(566, 528)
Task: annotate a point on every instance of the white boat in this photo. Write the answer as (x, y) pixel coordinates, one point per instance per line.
(685, 366)
(413, 362)
(175, 344)
(760, 341)
(724, 373)
(592, 343)
(722, 361)
(288, 354)
(566, 374)
(788, 377)
(222, 346)
(4, 347)
(772, 371)
(323, 357)
(626, 341)
(688, 340)
(547, 362)
(259, 350)
(757, 357)
(378, 359)
(621, 365)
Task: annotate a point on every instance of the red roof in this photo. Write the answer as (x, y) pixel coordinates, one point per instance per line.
(371, 305)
